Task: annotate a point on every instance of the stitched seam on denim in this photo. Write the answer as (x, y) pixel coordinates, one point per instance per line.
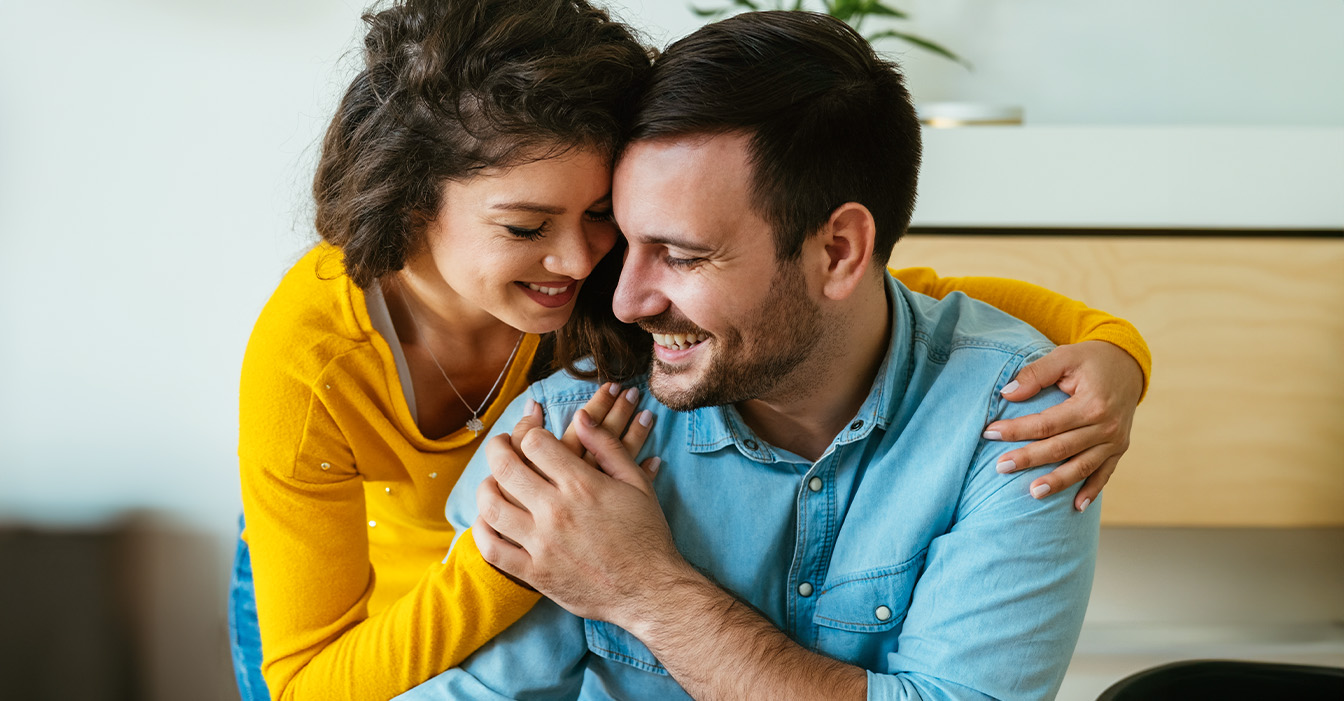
(632, 661)
(941, 354)
(882, 572)
(866, 626)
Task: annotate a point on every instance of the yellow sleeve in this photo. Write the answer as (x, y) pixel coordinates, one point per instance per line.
(308, 538)
(1058, 318)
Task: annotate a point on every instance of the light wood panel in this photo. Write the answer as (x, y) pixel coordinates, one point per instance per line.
(1244, 421)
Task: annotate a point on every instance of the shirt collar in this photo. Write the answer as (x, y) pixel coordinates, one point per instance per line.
(712, 428)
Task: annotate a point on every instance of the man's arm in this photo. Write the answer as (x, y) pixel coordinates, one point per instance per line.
(1102, 362)
(995, 614)
(712, 644)
(716, 647)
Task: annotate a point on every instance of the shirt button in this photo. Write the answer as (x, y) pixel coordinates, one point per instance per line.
(373, 524)
(858, 424)
(804, 589)
(751, 445)
(883, 613)
(814, 484)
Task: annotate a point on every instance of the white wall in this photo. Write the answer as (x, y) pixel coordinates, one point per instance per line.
(1231, 62)
(155, 157)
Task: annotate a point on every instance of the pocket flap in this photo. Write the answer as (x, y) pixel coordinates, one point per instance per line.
(872, 601)
(617, 644)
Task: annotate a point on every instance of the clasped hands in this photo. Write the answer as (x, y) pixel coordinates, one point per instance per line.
(592, 540)
(596, 542)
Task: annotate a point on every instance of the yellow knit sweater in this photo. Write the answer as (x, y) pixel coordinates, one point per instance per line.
(343, 495)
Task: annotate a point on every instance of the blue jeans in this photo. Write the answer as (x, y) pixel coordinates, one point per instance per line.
(244, 635)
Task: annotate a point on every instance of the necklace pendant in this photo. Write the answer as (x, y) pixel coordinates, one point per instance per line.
(475, 425)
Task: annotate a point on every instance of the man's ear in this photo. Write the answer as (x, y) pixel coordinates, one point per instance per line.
(844, 249)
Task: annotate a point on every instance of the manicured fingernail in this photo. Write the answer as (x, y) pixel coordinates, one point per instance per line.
(654, 464)
(992, 436)
(530, 408)
(1083, 506)
(1006, 466)
(1009, 387)
(1040, 490)
(614, 388)
(632, 394)
(645, 418)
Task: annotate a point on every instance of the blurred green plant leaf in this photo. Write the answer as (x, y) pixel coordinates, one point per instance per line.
(877, 8)
(920, 42)
(851, 12)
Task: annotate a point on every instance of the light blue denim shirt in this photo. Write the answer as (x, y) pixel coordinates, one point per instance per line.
(901, 550)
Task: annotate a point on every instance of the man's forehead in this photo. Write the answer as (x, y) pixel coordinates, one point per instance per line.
(696, 148)
(697, 181)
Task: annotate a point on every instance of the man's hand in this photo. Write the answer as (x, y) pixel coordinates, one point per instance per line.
(1090, 430)
(595, 542)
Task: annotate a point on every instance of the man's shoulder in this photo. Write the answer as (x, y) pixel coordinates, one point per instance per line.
(959, 323)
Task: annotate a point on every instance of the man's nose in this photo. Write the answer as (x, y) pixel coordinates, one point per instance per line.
(637, 293)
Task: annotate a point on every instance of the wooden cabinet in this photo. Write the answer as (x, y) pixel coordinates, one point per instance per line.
(1244, 421)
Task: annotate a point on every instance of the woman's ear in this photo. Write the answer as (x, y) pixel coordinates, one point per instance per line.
(844, 249)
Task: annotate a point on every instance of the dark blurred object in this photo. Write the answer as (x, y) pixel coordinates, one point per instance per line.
(1228, 680)
(66, 627)
(131, 610)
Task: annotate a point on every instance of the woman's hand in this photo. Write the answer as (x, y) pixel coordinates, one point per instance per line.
(612, 408)
(1087, 432)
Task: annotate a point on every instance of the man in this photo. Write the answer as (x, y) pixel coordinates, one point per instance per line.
(835, 526)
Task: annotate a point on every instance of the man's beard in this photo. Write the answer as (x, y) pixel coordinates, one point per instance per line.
(748, 362)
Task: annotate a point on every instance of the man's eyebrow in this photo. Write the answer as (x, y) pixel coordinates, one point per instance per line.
(674, 241)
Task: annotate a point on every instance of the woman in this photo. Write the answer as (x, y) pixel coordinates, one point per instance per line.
(463, 201)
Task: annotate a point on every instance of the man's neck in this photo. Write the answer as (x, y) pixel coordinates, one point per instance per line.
(819, 399)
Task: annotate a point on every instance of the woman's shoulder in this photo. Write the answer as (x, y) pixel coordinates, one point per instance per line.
(315, 315)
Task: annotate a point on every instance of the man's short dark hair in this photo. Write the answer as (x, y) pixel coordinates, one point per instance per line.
(830, 121)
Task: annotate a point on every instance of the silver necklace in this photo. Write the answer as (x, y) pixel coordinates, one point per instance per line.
(474, 424)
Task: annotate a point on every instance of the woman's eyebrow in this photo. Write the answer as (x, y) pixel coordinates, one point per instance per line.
(527, 207)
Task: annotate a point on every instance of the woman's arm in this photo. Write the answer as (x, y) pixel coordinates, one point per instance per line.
(307, 529)
(314, 580)
(1102, 363)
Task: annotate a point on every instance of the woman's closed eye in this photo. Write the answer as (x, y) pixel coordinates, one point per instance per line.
(527, 234)
(601, 216)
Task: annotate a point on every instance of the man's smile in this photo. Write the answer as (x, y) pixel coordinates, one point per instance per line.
(679, 341)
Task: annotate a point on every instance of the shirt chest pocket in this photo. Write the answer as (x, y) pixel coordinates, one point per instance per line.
(615, 643)
(855, 610)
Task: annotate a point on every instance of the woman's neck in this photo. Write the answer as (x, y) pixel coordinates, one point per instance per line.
(437, 316)
(451, 347)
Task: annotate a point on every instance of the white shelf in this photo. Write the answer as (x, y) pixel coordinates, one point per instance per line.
(1133, 177)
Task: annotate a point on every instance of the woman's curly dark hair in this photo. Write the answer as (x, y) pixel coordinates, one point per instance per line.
(453, 86)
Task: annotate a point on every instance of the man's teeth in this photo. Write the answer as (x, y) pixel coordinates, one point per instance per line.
(678, 341)
(549, 291)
